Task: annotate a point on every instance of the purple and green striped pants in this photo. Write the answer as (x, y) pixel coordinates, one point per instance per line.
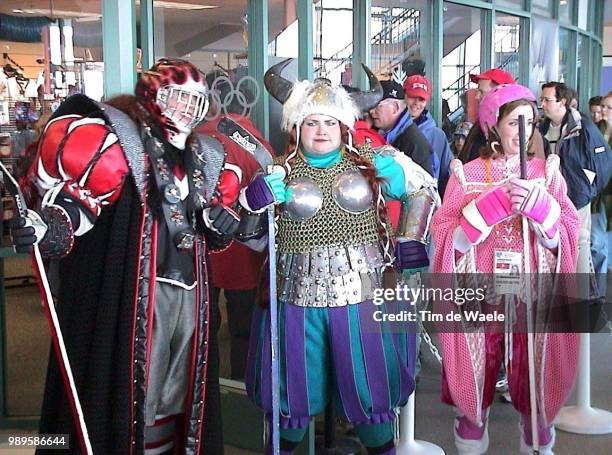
(338, 354)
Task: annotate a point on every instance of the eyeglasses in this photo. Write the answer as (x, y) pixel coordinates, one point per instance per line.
(548, 100)
(383, 103)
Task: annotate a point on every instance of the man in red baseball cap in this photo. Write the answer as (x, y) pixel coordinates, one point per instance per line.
(490, 79)
(417, 93)
(486, 81)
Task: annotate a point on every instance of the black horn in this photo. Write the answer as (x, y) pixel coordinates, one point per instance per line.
(277, 85)
(368, 99)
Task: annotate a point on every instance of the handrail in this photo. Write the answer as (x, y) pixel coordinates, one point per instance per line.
(408, 15)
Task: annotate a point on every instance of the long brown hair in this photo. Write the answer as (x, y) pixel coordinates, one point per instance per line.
(493, 141)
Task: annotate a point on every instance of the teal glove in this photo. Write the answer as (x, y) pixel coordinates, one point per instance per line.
(275, 182)
(392, 173)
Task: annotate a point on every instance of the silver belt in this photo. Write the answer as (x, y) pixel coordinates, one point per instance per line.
(330, 276)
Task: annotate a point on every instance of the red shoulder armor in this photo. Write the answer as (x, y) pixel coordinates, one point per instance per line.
(84, 152)
(237, 159)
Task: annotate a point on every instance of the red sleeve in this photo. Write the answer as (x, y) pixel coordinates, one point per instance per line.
(362, 133)
(83, 155)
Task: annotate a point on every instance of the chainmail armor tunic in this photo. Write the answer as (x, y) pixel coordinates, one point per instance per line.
(334, 258)
(331, 226)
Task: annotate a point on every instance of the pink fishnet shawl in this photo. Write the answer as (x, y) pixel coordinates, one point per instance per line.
(464, 354)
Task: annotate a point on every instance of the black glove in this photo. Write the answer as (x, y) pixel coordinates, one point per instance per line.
(222, 220)
(26, 231)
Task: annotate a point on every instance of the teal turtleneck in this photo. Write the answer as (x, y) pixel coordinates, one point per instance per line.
(322, 160)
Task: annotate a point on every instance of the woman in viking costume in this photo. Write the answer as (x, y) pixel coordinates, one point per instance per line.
(333, 243)
(478, 230)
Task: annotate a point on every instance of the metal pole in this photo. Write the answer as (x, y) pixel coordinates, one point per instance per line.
(274, 333)
(530, 334)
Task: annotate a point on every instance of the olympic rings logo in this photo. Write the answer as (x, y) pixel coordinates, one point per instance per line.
(227, 98)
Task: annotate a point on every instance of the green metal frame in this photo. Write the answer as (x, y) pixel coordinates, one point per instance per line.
(147, 44)
(435, 65)
(119, 46)
(362, 50)
(258, 61)
(572, 56)
(524, 54)
(473, 3)
(487, 39)
(305, 49)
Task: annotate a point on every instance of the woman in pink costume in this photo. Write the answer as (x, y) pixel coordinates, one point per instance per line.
(480, 219)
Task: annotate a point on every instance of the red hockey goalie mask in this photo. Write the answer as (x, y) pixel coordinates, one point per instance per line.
(175, 93)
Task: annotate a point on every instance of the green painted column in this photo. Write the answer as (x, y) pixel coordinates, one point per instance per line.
(146, 33)
(305, 55)
(119, 46)
(572, 55)
(434, 65)
(258, 60)
(362, 50)
(524, 54)
(487, 32)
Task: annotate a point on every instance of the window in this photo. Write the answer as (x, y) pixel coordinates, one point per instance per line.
(462, 52)
(507, 43)
(565, 10)
(397, 48)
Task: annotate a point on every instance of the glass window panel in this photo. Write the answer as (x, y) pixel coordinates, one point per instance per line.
(583, 13)
(397, 48)
(333, 51)
(462, 47)
(584, 81)
(73, 58)
(544, 53)
(542, 7)
(506, 41)
(565, 10)
(564, 46)
(216, 41)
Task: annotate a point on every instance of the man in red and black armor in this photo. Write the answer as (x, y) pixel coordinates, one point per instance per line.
(129, 201)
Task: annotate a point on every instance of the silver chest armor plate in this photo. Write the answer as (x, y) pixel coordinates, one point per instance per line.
(352, 192)
(306, 199)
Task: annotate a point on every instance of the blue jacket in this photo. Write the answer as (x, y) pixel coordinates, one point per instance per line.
(581, 147)
(406, 137)
(437, 139)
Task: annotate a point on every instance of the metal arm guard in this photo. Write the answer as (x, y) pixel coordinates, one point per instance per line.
(252, 225)
(415, 216)
(59, 238)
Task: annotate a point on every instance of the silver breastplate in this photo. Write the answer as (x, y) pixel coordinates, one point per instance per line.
(350, 190)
